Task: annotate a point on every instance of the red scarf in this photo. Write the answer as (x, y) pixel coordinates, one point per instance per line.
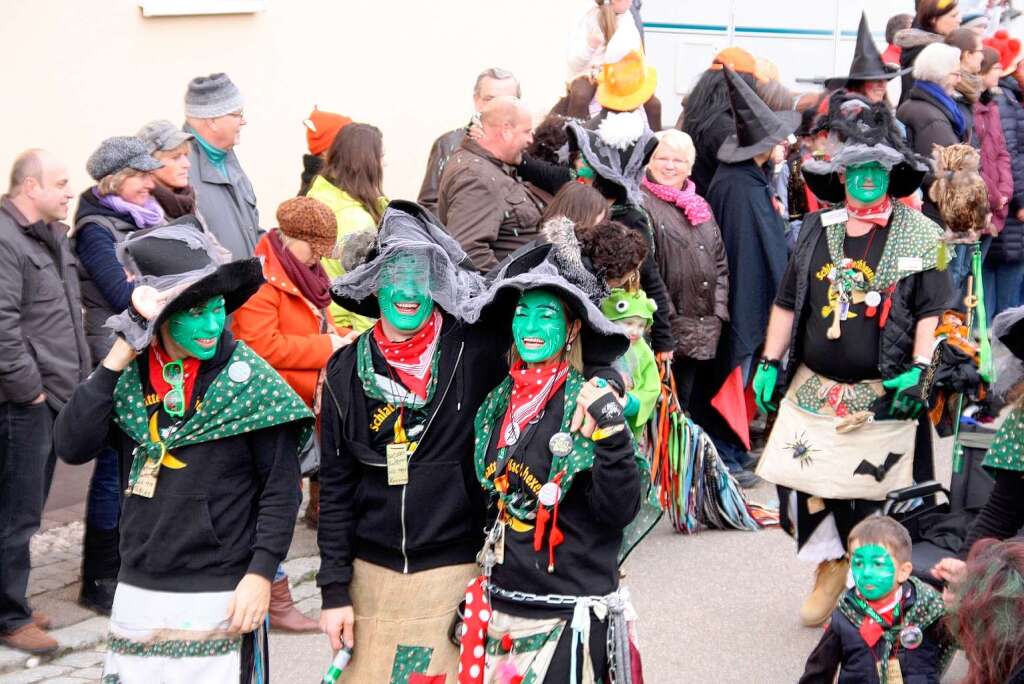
(531, 390)
(870, 630)
(411, 359)
(877, 214)
(189, 365)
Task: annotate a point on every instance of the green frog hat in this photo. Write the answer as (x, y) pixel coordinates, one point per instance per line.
(622, 304)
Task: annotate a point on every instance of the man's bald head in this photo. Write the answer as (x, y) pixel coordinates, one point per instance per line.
(39, 186)
(507, 128)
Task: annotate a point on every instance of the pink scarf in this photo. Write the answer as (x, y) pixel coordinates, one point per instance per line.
(693, 205)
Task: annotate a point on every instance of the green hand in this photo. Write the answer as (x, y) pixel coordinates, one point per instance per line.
(765, 379)
(908, 402)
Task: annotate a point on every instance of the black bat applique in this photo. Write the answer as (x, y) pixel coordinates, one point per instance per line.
(880, 471)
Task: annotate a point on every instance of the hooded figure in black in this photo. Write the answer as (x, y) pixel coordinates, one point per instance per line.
(755, 242)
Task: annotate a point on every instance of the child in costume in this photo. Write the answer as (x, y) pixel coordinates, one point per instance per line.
(635, 313)
(889, 627)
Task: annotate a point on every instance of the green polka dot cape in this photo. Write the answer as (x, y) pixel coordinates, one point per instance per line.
(230, 406)
(1008, 444)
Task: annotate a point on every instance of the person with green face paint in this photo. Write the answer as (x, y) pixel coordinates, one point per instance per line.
(889, 626)
(850, 342)
(207, 436)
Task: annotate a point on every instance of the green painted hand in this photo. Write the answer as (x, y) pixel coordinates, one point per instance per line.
(765, 380)
(909, 401)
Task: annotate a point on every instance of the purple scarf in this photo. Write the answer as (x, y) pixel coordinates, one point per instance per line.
(143, 215)
(693, 205)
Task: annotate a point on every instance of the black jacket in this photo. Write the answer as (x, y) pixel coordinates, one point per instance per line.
(928, 124)
(600, 503)
(1008, 246)
(437, 519)
(707, 143)
(42, 342)
(842, 648)
(230, 511)
(896, 343)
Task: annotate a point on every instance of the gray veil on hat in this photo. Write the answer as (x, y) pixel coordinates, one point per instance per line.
(407, 230)
(1008, 349)
(618, 149)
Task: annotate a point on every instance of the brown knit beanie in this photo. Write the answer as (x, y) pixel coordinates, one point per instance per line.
(989, 60)
(305, 218)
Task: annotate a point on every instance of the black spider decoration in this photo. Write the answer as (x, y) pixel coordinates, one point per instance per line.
(802, 450)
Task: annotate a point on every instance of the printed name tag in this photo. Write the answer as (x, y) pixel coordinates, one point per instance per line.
(831, 218)
(398, 464)
(912, 264)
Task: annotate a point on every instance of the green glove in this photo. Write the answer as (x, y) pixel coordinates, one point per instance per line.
(765, 380)
(909, 401)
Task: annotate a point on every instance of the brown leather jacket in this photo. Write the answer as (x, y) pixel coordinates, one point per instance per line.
(440, 152)
(485, 206)
(694, 267)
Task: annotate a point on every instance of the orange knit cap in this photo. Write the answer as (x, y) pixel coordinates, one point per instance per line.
(737, 59)
(1009, 50)
(321, 127)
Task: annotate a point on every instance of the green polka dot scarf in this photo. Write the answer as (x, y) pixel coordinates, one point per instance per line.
(247, 395)
(1008, 444)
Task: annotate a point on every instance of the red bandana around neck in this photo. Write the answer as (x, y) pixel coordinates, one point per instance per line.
(411, 359)
(870, 630)
(531, 390)
(157, 358)
(877, 214)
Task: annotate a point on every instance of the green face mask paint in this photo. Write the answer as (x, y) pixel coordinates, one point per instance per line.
(197, 330)
(867, 183)
(539, 327)
(404, 294)
(874, 571)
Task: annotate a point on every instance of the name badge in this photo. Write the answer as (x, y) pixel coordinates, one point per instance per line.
(911, 264)
(398, 464)
(831, 218)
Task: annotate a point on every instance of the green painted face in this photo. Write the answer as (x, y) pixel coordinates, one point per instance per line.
(539, 327)
(198, 329)
(867, 183)
(404, 295)
(874, 571)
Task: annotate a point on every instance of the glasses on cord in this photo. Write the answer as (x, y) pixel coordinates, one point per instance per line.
(174, 400)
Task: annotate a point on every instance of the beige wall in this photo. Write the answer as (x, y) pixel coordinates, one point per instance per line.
(77, 71)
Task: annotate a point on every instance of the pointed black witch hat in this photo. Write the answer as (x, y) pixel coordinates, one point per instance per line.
(758, 128)
(867, 64)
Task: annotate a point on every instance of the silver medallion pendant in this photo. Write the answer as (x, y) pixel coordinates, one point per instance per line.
(911, 637)
(512, 434)
(560, 444)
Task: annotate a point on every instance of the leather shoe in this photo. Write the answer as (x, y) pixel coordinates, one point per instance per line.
(30, 639)
(98, 595)
(283, 613)
(41, 620)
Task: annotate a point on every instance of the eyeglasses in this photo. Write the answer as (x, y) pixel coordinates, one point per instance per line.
(174, 401)
(237, 115)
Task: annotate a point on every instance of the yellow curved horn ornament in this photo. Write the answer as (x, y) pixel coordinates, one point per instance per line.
(168, 459)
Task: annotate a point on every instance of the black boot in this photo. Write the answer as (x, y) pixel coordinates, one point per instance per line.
(100, 563)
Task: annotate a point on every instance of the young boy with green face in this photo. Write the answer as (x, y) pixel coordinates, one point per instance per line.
(887, 628)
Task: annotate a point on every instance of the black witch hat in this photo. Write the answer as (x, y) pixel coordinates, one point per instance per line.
(867, 64)
(758, 128)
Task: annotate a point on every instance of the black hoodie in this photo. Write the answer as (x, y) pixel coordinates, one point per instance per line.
(230, 511)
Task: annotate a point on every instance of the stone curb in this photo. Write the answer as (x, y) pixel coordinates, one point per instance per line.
(92, 632)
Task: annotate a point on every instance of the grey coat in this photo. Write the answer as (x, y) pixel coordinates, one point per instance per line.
(42, 339)
(228, 205)
(440, 152)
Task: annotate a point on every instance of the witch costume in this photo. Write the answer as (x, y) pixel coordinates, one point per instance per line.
(867, 64)
(852, 425)
(567, 508)
(208, 447)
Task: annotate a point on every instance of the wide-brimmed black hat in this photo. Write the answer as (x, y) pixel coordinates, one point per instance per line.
(867, 64)
(617, 146)
(758, 128)
(861, 133)
(181, 261)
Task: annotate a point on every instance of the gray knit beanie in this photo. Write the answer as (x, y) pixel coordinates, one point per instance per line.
(211, 96)
(117, 153)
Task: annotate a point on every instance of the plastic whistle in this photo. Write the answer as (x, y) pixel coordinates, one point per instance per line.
(337, 665)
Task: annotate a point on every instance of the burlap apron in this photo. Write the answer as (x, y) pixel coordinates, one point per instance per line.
(402, 622)
(824, 444)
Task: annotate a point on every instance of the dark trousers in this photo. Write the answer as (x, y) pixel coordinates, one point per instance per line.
(27, 460)
(103, 508)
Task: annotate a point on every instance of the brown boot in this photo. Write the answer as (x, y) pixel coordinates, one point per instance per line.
(829, 582)
(41, 620)
(312, 516)
(30, 639)
(283, 613)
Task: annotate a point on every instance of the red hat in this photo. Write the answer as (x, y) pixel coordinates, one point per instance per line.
(321, 127)
(1009, 50)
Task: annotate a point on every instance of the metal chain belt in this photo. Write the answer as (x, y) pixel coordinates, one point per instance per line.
(550, 599)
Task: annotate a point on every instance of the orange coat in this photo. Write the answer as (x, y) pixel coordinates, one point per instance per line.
(283, 327)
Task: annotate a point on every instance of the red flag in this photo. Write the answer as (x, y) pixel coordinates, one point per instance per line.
(417, 678)
(731, 403)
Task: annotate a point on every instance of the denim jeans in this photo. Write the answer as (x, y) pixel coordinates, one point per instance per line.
(27, 460)
(103, 508)
(1003, 283)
